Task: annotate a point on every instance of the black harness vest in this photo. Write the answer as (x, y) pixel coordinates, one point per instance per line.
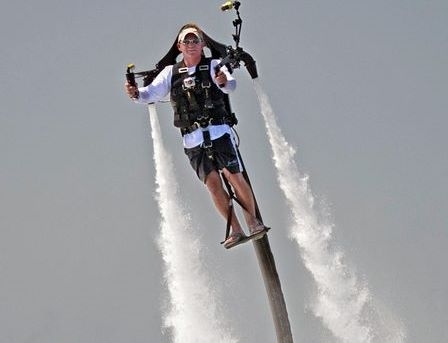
(196, 100)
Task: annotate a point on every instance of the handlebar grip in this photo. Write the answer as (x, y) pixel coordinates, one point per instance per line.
(217, 67)
(130, 77)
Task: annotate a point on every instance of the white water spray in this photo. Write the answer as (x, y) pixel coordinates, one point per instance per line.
(343, 302)
(193, 314)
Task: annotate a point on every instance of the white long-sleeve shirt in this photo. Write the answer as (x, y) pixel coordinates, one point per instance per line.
(161, 86)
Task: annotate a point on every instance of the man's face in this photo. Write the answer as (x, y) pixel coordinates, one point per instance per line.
(191, 46)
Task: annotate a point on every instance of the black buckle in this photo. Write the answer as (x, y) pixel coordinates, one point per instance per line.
(207, 144)
(203, 121)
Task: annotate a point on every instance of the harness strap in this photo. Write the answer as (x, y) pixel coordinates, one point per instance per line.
(204, 74)
(207, 144)
(196, 125)
(230, 211)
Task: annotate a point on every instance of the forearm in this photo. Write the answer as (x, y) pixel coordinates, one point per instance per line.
(229, 87)
(157, 90)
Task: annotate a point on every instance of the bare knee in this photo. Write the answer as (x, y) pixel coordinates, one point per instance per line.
(237, 180)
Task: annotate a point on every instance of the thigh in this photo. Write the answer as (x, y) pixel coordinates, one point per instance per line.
(213, 181)
(200, 162)
(226, 155)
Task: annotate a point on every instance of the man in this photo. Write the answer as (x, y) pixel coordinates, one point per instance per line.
(196, 93)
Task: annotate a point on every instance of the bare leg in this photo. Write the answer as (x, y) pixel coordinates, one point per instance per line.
(245, 195)
(221, 199)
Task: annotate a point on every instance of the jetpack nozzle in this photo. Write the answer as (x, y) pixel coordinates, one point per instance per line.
(249, 63)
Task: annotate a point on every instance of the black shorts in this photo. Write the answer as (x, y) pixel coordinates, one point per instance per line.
(224, 156)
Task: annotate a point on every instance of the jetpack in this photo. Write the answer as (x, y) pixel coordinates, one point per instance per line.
(230, 56)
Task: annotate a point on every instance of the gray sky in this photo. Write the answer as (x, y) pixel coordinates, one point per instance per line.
(359, 89)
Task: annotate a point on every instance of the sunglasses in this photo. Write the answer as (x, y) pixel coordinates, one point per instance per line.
(191, 41)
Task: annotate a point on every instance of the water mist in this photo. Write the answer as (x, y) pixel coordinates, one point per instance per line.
(343, 303)
(193, 314)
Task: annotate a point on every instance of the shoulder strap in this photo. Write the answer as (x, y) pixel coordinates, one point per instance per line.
(179, 73)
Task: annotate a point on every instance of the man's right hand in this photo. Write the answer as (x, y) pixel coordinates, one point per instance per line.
(131, 91)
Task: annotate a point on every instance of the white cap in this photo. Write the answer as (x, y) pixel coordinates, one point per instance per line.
(188, 30)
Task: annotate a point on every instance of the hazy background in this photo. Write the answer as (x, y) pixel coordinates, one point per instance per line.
(359, 88)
